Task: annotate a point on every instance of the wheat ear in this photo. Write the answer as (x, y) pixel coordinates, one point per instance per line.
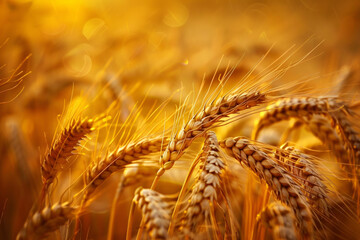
(63, 148)
(297, 107)
(280, 220)
(306, 173)
(42, 223)
(137, 173)
(119, 159)
(205, 119)
(320, 127)
(97, 173)
(207, 185)
(275, 176)
(155, 211)
(304, 109)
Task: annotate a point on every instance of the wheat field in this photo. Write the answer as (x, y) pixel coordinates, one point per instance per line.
(179, 119)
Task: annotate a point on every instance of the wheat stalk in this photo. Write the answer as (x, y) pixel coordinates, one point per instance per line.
(322, 129)
(137, 173)
(155, 212)
(133, 174)
(305, 172)
(204, 120)
(280, 220)
(97, 173)
(119, 159)
(275, 176)
(42, 223)
(206, 187)
(63, 148)
(304, 109)
(298, 107)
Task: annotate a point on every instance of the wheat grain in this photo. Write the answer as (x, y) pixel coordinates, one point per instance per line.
(42, 223)
(155, 211)
(280, 220)
(277, 179)
(304, 109)
(119, 159)
(350, 136)
(202, 121)
(137, 173)
(62, 149)
(206, 187)
(298, 107)
(333, 109)
(305, 172)
(322, 129)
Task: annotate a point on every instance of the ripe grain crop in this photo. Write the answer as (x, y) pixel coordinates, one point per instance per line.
(179, 119)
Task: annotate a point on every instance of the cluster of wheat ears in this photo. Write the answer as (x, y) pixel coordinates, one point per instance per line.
(179, 119)
(290, 195)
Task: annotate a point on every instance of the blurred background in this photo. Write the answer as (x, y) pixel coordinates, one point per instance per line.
(53, 50)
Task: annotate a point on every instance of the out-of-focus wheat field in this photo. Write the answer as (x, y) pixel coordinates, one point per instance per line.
(139, 66)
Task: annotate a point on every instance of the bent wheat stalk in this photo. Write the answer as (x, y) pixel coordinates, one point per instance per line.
(135, 173)
(298, 107)
(306, 173)
(207, 185)
(115, 161)
(119, 159)
(304, 108)
(320, 127)
(63, 148)
(202, 121)
(42, 223)
(138, 173)
(275, 176)
(280, 220)
(155, 212)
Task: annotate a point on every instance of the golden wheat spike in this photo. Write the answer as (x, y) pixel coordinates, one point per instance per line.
(204, 120)
(137, 173)
(279, 218)
(335, 110)
(119, 159)
(321, 128)
(306, 107)
(206, 187)
(63, 148)
(275, 176)
(155, 212)
(49, 219)
(304, 171)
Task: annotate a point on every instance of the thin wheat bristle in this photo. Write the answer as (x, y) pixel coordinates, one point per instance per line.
(303, 170)
(42, 223)
(279, 218)
(155, 211)
(119, 159)
(207, 185)
(63, 148)
(275, 176)
(205, 119)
